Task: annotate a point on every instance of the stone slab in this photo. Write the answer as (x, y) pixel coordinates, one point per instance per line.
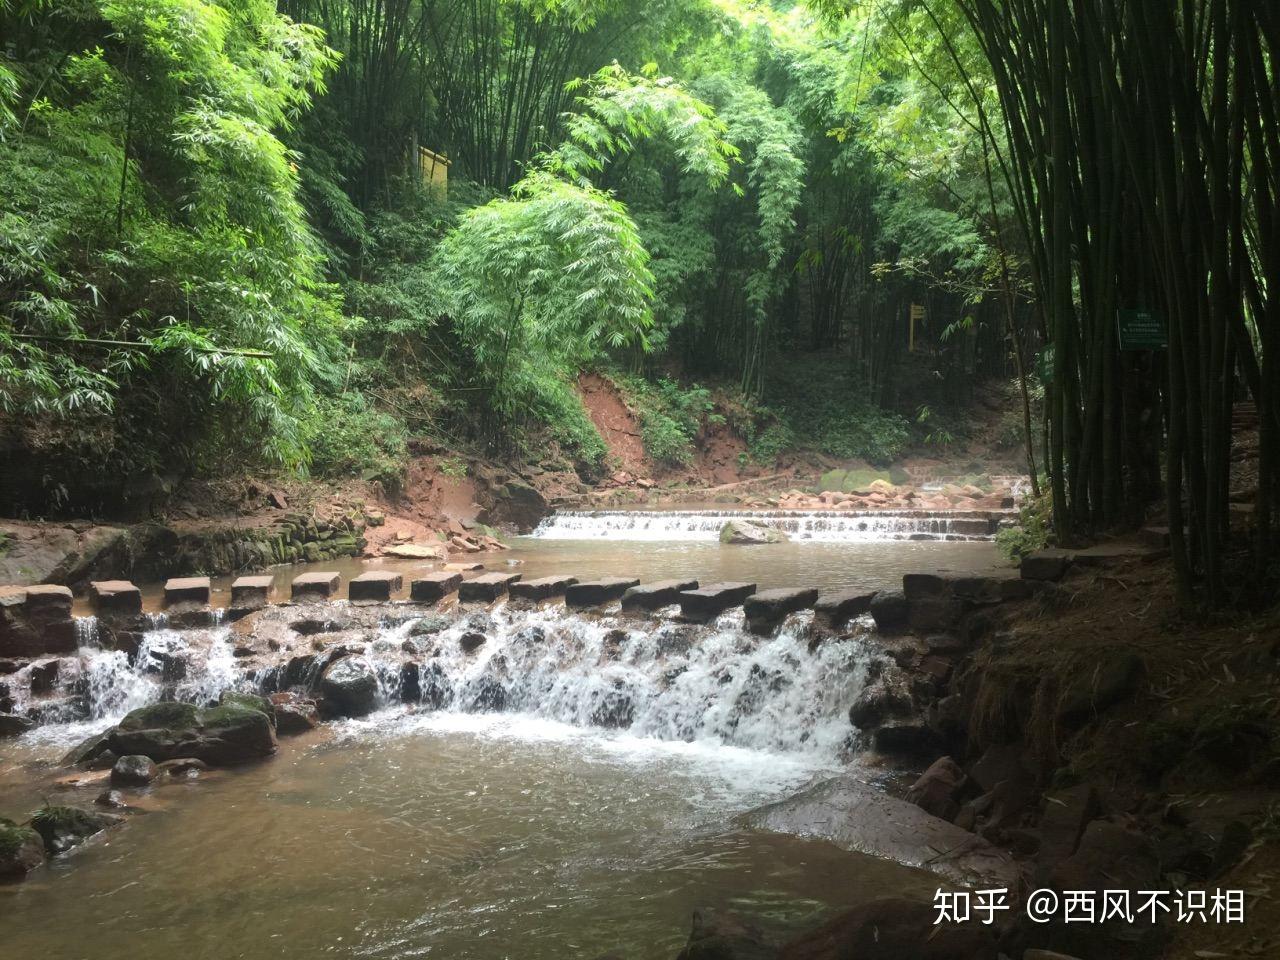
(434, 587)
(252, 592)
(768, 608)
(543, 588)
(316, 586)
(194, 590)
(655, 595)
(486, 588)
(375, 585)
(115, 597)
(593, 593)
(713, 599)
(838, 607)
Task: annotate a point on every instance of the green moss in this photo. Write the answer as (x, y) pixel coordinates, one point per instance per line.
(228, 715)
(249, 701)
(158, 716)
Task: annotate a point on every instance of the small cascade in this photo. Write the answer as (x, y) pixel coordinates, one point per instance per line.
(824, 526)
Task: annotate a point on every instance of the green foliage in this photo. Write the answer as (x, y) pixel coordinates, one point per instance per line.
(766, 443)
(1033, 532)
(348, 437)
(670, 415)
(558, 405)
(455, 468)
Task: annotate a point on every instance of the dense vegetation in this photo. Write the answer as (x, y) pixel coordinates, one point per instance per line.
(219, 249)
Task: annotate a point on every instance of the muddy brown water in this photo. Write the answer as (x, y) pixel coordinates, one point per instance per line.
(452, 835)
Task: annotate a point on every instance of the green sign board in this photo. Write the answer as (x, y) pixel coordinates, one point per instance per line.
(1140, 330)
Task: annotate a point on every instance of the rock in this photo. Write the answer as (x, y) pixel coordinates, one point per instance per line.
(518, 504)
(88, 750)
(21, 850)
(182, 767)
(938, 789)
(647, 597)
(719, 935)
(349, 687)
(44, 676)
(1066, 814)
(416, 551)
(712, 599)
(889, 608)
(62, 828)
(471, 641)
(543, 588)
(115, 598)
(252, 593)
(1050, 564)
(430, 625)
(768, 608)
(856, 816)
(12, 725)
(133, 770)
(112, 800)
(749, 533)
(187, 590)
(35, 621)
(914, 740)
(376, 585)
(227, 733)
(315, 586)
(877, 702)
(249, 701)
(595, 593)
(1111, 678)
(837, 608)
(433, 587)
(894, 928)
(486, 588)
(294, 714)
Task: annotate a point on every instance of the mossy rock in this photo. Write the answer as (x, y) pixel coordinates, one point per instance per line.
(250, 701)
(21, 850)
(861, 478)
(898, 476)
(62, 828)
(167, 716)
(832, 480)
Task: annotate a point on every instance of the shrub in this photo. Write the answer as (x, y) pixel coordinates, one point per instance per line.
(348, 437)
(1033, 532)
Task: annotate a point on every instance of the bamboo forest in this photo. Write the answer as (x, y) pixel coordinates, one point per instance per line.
(640, 479)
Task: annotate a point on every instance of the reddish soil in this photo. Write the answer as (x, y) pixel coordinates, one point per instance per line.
(616, 423)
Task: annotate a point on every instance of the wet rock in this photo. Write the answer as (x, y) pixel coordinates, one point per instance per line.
(768, 608)
(486, 588)
(613, 641)
(62, 828)
(252, 593)
(410, 685)
(893, 929)
(433, 587)
(487, 694)
(712, 599)
(720, 935)
(319, 585)
(1112, 678)
(1048, 564)
(935, 613)
(182, 767)
(594, 593)
(228, 733)
(300, 671)
(1000, 763)
(44, 675)
(471, 641)
(889, 608)
(856, 816)
(876, 703)
(133, 771)
(88, 750)
(187, 590)
(914, 740)
(21, 850)
(294, 714)
(430, 625)
(748, 533)
(836, 609)
(938, 789)
(35, 621)
(436, 690)
(647, 597)
(543, 588)
(115, 598)
(615, 710)
(375, 585)
(1066, 814)
(675, 639)
(12, 725)
(349, 687)
(250, 701)
(112, 800)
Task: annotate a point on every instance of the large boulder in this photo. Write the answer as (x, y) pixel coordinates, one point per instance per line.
(294, 713)
(750, 533)
(62, 828)
(12, 724)
(518, 504)
(21, 850)
(350, 688)
(227, 733)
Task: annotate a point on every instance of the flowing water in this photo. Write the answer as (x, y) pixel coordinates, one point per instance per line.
(569, 788)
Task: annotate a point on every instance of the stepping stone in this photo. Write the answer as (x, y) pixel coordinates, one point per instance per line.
(187, 590)
(710, 601)
(252, 592)
(463, 567)
(315, 586)
(543, 588)
(656, 595)
(433, 587)
(768, 608)
(1048, 564)
(486, 588)
(375, 585)
(593, 593)
(839, 607)
(117, 597)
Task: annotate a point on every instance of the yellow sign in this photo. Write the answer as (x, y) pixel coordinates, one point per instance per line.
(917, 313)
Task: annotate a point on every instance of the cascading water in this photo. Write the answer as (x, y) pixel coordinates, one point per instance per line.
(817, 525)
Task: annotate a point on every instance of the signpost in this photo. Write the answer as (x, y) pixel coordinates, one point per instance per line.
(1140, 329)
(917, 313)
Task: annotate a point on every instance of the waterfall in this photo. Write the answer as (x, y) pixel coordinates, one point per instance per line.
(817, 525)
